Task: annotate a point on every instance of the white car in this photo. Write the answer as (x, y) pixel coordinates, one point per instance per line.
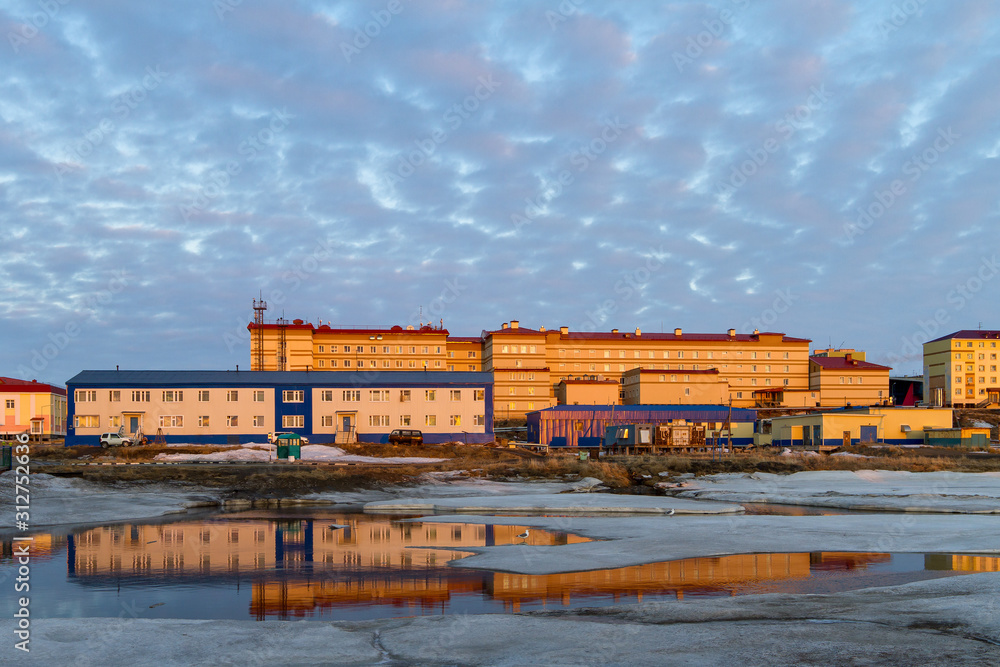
(273, 437)
(115, 440)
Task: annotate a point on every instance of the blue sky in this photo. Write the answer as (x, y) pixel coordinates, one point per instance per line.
(823, 168)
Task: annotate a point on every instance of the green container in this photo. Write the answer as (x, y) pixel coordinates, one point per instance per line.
(6, 463)
(289, 445)
(584, 456)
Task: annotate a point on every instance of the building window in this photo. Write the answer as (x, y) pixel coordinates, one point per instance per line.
(531, 405)
(531, 391)
(321, 363)
(479, 394)
(352, 395)
(232, 420)
(430, 395)
(378, 420)
(86, 421)
(379, 395)
(510, 391)
(786, 382)
(203, 395)
(333, 348)
(455, 394)
(326, 421)
(115, 395)
(293, 421)
(203, 421)
(512, 405)
(472, 355)
(114, 422)
(479, 420)
(430, 420)
(347, 363)
(232, 396)
(326, 395)
(258, 396)
(171, 421)
(258, 421)
(322, 348)
(140, 396)
(739, 394)
(10, 403)
(85, 395)
(404, 420)
(404, 395)
(687, 391)
(455, 420)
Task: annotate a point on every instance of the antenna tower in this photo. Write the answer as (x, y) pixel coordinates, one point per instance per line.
(259, 306)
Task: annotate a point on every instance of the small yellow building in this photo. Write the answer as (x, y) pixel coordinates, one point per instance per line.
(960, 369)
(590, 390)
(643, 386)
(876, 425)
(847, 381)
(32, 407)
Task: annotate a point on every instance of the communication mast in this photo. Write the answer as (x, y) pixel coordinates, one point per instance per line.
(259, 306)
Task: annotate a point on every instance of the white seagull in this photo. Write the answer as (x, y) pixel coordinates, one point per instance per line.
(523, 536)
(671, 512)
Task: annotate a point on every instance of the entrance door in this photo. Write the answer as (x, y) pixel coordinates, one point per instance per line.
(869, 433)
(133, 424)
(347, 423)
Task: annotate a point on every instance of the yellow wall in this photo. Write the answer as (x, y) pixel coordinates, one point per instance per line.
(587, 392)
(651, 387)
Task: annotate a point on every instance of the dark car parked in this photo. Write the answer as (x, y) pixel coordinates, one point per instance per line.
(405, 436)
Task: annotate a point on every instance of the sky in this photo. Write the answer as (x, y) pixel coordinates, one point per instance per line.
(823, 168)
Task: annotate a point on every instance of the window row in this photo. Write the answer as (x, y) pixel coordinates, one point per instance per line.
(651, 354)
(405, 395)
(373, 363)
(385, 349)
(259, 395)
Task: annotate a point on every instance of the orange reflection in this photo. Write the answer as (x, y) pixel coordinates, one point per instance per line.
(42, 547)
(962, 563)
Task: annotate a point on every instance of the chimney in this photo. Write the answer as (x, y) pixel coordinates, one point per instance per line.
(638, 331)
(503, 326)
(564, 330)
(542, 329)
(678, 331)
(732, 333)
(614, 331)
(756, 331)
(513, 324)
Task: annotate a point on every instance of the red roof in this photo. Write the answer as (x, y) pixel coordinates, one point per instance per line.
(841, 363)
(465, 339)
(722, 338)
(14, 384)
(674, 371)
(426, 329)
(971, 333)
(511, 330)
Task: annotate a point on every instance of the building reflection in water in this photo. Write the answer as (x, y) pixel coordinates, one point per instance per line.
(298, 567)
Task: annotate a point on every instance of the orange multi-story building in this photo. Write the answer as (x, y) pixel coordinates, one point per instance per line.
(755, 369)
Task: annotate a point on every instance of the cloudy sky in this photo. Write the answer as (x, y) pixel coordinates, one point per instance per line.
(823, 168)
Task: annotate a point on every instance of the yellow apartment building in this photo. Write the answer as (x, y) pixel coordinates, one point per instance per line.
(759, 369)
(32, 407)
(960, 369)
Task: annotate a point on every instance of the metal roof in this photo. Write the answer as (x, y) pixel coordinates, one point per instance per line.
(277, 378)
(841, 363)
(974, 334)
